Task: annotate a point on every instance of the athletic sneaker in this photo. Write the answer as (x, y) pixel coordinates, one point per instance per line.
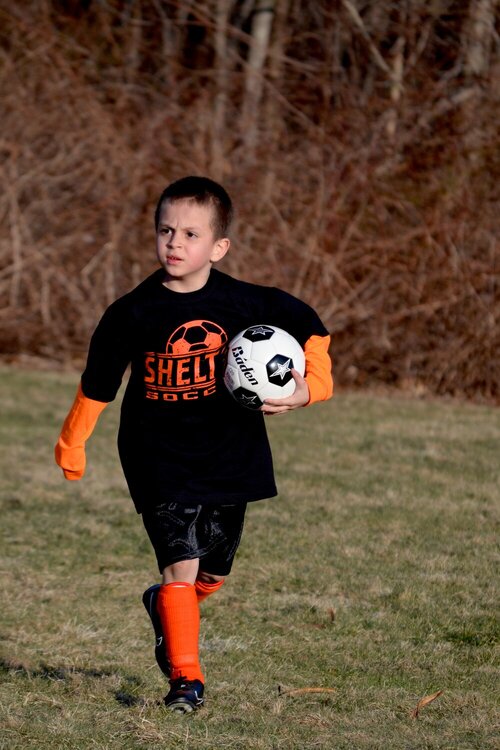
(149, 599)
(185, 696)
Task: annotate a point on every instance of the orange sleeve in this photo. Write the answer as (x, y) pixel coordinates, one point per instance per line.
(318, 374)
(77, 428)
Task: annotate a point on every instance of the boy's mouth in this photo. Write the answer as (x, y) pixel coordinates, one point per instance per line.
(173, 259)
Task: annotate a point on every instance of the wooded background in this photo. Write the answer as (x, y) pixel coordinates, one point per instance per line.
(359, 141)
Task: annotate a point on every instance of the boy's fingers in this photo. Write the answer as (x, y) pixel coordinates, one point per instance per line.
(299, 397)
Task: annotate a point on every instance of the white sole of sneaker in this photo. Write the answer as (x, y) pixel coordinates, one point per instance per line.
(182, 707)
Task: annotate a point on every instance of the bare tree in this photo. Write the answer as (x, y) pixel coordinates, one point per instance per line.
(480, 37)
(262, 21)
(359, 138)
(222, 11)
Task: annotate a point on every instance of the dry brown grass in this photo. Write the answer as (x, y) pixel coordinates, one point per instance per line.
(387, 515)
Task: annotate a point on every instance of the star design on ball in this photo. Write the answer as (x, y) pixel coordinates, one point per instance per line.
(260, 331)
(282, 370)
(248, 399)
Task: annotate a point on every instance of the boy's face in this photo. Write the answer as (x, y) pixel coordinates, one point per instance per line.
(186, 246)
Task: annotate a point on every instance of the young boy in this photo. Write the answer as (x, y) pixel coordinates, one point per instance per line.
(192, 456)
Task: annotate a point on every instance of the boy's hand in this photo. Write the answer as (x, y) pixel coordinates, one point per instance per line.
(299, 397)
(71, 460)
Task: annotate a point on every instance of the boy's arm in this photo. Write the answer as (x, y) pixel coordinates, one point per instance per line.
(108, 357)
(317, 383)
(318, 374)
(77, 428)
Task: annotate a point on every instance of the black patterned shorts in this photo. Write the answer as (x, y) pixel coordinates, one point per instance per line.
(211, 533)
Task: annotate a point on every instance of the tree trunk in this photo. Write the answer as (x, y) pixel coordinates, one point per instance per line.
(479, 37)
(262, 22)
(478, 41)
(222, 11)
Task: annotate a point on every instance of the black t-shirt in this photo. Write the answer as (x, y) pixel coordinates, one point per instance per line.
(182, 437)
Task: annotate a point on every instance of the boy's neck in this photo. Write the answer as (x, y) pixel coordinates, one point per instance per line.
(184, 286)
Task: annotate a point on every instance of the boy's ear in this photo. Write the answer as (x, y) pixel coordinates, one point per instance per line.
(220, 249)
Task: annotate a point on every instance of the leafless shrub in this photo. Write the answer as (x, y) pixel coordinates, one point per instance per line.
(359, 142)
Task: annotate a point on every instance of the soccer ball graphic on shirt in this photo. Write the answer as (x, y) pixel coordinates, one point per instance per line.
(196, 336)
(259, 364)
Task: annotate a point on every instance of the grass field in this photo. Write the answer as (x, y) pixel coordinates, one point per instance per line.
(373, 576)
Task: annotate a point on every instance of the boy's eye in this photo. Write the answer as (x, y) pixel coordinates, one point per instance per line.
(191, 234)
(165, 230)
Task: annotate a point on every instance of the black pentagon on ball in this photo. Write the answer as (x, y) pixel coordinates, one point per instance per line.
(195, 335)
(259, 333)
(211, 327)
(279, 370)
(246, 398)
(177, 335)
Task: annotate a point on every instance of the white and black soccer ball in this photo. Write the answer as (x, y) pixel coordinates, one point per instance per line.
(259, 364)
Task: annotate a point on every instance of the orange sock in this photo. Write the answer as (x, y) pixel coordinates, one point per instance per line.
(206, 589)
(177, 606)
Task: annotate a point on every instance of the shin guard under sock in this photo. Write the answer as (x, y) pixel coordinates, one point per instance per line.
(177, 606)
(206, 589)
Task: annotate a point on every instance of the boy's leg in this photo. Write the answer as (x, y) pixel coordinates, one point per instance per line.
(179, 613)
(150, 601)
(177, 606)
(178, 609)
(214, 533)
(207, 584)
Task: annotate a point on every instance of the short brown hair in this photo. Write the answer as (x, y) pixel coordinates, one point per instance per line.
(204, 192)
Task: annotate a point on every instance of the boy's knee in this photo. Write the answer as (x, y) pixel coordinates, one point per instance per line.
(209, 577)
(184, 570)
